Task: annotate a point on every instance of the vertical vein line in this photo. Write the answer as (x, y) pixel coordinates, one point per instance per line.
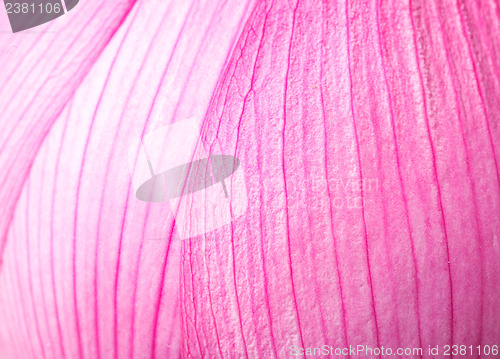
(434, 169)
(360, 172)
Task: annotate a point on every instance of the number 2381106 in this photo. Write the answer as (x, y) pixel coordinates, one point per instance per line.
(25, 8)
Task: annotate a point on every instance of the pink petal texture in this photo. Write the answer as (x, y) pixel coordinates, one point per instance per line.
(369, 134)
(41, 70)
(89, 282)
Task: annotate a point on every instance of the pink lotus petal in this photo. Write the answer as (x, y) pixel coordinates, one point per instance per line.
(370, 136)
(41, 70)
(68, 261)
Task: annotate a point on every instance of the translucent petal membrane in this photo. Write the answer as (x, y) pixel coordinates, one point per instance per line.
(369, 136)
